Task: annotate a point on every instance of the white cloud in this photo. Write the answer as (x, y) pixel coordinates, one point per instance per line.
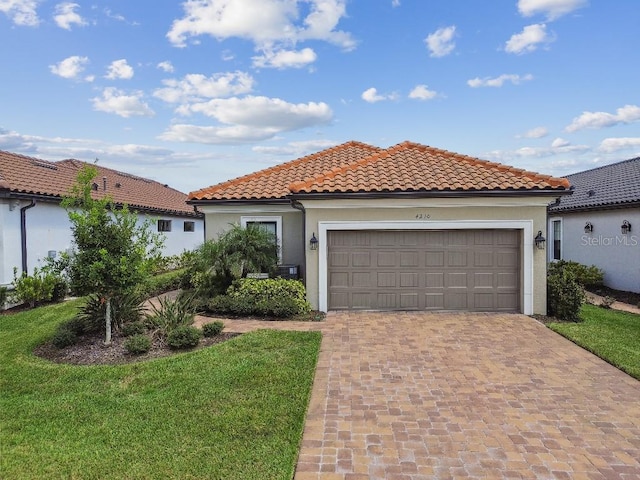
(621, 143)
(440, 42)
(248, 119)
(119, 69)
(553, 9)
(70, 67)
(66, 16)
(499, 81)
(626, 114)
(196, 87)
(371, 95)
(285, 58)
(559, 143)
(529, 39)
(395, 3)
(537, 132)
(296, 149)
(265, 22)
(165, 66)
(21, 12)
(422, 92)
(116, 101)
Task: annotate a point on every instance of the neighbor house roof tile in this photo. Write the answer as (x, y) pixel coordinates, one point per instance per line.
(357, 168)
(28, 176)
(614, 185)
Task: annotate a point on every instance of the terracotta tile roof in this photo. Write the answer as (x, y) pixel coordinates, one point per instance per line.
(273, 183)
(609, 186)
(21, 175)
(359, 168)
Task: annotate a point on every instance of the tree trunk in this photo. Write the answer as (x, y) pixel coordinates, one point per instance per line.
(107, 321)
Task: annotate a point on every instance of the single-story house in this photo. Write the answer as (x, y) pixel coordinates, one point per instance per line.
(34, 226)
(600, 223)
(409, 227)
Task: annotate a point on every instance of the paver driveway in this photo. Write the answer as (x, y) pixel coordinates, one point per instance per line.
(419, 395)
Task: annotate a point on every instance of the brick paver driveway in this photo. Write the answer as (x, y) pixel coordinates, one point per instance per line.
(418, 395)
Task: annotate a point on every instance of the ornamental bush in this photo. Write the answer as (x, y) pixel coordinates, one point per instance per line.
(185, 336)
(138, 344)
(64, 337)
(212, 329)
(270, 290)
(565, 296)
(132, 328)
(587, 276)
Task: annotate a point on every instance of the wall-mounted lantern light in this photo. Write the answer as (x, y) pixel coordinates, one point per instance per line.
(588, 227)
(626, 227)
(313, 243)
(540, 240)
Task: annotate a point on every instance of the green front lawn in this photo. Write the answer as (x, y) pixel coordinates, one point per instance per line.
(612, 335)
(235, 410)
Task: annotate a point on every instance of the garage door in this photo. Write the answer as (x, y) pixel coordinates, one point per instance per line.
(473, 270)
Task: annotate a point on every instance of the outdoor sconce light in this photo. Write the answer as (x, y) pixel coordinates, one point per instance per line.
(588, 228)
(313, 243)
(626, 227)
(540, 240)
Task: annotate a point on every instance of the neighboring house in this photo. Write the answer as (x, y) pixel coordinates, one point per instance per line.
(600, 223)
(410, 227)
(33, 225)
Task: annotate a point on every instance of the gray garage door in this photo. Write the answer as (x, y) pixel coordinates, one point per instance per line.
(473, 270)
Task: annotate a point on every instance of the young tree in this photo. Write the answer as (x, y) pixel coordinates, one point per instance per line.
(113, 253)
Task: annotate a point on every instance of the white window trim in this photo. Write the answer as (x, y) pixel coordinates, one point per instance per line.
(527, 248)
(261, 218)
(550, 241)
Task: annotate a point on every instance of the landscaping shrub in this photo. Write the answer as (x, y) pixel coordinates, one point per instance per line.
(4, 293)
(212, 329)
(32, 289)
(587, 276)
(138, 344)
(273, 291)
(565, 295)
(227, 305)
(161, 283)
(76, 325)
(132, 328)
(64, 337)
(125, 308)
(184, 336)
(60, 289)
(170, 314)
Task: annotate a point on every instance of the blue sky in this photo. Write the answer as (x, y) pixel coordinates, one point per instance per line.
(194, 93)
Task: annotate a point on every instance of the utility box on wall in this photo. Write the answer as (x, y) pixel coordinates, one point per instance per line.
(290, 272)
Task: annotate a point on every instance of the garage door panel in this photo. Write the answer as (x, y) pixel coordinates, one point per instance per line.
(387, 259)
(425, 270)
(434, 259)
(361, 279)
(409, 279)
(386, 279)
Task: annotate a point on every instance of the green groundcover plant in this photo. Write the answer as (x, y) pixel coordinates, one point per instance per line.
(234, 411)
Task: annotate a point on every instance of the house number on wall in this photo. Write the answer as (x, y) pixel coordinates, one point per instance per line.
(422, 216)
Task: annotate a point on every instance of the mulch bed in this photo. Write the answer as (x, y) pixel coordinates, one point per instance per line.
(90, 350)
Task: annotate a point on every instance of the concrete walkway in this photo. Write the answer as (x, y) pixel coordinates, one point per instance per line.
(421, 396)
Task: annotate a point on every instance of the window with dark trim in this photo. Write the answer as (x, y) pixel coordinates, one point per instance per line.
(189, 226)
(164, 225)
(557, 239)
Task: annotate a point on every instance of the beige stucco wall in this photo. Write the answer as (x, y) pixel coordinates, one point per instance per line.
(434, 213)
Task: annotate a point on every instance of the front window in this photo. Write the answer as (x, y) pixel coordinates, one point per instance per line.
(557, 239)
(270, 224)
(164, 225)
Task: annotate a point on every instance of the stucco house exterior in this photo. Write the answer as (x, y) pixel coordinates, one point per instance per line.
(409, 227)
(600, 223)
(33, 225)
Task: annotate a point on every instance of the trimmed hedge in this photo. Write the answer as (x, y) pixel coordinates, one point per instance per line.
(271, 291)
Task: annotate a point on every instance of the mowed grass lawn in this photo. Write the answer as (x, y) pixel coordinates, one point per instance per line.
(234, 410)
(612, 335)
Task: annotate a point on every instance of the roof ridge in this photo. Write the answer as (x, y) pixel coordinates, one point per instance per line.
(281, 166)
